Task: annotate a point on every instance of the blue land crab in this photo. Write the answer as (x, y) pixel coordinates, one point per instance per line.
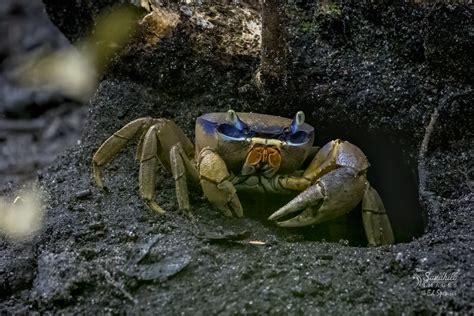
(256, 153)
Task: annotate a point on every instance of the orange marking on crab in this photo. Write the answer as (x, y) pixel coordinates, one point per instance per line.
(261, 155)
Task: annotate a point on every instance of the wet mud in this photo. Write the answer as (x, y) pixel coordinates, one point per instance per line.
(359, 73)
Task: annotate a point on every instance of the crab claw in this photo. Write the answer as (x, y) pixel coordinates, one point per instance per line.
(307, 201)
(334, 195)
(214, 181)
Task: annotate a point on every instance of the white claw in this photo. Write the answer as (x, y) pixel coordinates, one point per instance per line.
(304, 219)
(312, 196)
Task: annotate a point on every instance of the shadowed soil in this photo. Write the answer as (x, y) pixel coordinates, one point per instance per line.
(367, 79)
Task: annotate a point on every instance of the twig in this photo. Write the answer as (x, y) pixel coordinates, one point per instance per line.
(422, 174)
(426, 197)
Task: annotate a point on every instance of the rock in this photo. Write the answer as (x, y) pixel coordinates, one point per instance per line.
(83, 194)
(227, 236)
(161, 270)
(142, 251)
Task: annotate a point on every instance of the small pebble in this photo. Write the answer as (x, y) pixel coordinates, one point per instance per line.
(399, 257)
(97, 226)
(83, 194)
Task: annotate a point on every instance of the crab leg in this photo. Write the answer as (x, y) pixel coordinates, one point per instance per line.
(214, 178)
(148, 165)
(376, 222)
(110, 148)
(166, 143)
(180, 165)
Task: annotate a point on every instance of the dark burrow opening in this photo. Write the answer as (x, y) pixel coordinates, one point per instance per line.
(392, 172)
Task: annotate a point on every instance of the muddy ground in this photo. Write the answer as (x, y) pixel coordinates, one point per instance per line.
(371, 74)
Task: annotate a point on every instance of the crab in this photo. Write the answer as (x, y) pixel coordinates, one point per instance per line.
(256, 153)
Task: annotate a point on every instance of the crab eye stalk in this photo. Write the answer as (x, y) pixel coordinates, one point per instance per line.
(295, 135)
(233, 119)
(234, 128)
(298, 121)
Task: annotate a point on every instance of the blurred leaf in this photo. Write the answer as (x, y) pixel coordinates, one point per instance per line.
(23, 216)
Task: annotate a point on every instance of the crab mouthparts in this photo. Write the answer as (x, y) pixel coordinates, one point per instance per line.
(263, 158)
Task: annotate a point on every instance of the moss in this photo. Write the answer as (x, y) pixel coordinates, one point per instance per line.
(307, 26)
(331, 9)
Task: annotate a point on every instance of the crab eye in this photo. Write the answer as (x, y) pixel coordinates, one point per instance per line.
(293, 133)
(298, 138)
(297, 122)
(230, 131)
